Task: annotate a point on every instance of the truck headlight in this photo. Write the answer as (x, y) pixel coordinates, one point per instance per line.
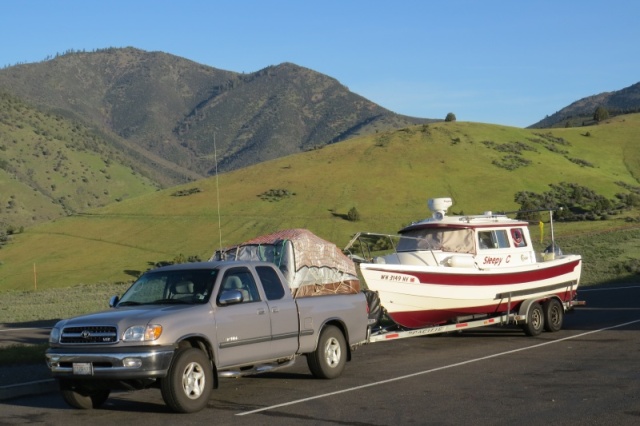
(54, 335)
(141, 333)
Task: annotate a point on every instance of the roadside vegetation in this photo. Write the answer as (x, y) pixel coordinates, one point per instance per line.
(23, 307)
(23, 354)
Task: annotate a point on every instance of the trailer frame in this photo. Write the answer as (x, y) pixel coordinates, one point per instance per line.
(394, 332)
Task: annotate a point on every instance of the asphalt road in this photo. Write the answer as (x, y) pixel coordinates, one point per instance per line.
(586, 374)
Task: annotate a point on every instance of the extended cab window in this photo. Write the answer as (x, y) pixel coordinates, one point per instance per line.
(270, 282)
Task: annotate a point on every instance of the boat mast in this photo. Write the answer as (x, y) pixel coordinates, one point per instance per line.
(553, 240)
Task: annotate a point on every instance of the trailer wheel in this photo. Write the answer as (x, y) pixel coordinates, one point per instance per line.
(83, 399)
(535, 320)
(187, 387)
(553, 315)
(329, 358)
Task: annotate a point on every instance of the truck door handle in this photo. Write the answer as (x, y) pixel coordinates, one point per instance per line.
(275, 309)
(261, 311)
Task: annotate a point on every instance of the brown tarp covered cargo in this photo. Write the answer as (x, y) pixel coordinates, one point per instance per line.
(311, 265)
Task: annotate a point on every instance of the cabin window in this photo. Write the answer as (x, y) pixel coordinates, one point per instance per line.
(518, 237)
(495, 239)
(452, 240)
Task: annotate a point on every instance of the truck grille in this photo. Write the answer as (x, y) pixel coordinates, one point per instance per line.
(89, 334)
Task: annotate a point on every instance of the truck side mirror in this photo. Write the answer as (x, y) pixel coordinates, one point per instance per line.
(230, 297)
(113, 301)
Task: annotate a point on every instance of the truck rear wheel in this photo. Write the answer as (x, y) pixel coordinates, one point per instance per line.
(187, 387)
(553, 315)
(535, 320)
(329, 358)
(83, 399)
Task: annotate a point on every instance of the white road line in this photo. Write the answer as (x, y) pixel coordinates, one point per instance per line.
(408, 376)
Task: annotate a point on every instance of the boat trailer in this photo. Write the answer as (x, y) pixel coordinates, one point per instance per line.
(524, 316)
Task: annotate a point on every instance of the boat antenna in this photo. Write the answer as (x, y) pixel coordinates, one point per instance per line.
(215, 159)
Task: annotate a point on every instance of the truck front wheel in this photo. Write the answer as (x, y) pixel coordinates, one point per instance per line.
(187, 387)
(83, 399)
(329, 358)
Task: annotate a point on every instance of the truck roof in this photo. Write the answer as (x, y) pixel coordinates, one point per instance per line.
(209, 265)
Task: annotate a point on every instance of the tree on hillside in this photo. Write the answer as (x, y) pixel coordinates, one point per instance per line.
(450, 117)
(353, 215)
(600, 114)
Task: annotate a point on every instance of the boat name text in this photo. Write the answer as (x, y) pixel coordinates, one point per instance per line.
(495, 261)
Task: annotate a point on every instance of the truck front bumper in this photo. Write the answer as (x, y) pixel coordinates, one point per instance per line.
(118, 363)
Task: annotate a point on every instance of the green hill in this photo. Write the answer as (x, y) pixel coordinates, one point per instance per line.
(51, 166)
(387, 177)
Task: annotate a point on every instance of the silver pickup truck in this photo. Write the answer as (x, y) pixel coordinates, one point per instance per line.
(181, 327)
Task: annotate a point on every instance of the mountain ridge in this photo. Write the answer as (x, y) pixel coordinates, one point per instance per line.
(581, 112)
(171, 106)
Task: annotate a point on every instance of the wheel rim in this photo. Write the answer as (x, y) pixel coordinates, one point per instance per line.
(554, 315)
(536, 318)
(332, 352)
(193, 380)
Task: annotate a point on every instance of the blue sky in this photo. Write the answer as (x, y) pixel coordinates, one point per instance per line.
(505, 62)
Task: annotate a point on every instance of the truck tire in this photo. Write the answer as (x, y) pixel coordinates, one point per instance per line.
(189, 382)
(329, 358)
(553, 315)
(535, 320)
(83, 399)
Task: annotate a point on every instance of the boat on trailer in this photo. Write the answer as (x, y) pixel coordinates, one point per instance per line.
(452, 269)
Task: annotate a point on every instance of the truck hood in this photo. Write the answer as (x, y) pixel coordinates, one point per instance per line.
(133, 315)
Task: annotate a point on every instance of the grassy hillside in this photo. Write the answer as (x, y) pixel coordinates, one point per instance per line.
(387, 177)
(52, 166)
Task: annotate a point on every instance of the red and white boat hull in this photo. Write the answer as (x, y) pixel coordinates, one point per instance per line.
(417, 296)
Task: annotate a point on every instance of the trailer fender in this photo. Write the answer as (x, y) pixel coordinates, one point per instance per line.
(523, 311)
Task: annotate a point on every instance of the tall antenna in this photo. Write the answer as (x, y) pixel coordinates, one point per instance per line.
(215, 159)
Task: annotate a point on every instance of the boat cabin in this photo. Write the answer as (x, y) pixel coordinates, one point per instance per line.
(484, 241)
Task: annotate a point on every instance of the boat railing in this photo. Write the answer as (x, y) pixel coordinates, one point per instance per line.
(371, 245)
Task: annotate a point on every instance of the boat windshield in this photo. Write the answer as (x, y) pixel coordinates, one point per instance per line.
(454, 240)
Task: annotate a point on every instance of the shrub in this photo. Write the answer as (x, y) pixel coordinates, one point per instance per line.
(276, 194)
(353, 215)
(184, 192)
(600, 114)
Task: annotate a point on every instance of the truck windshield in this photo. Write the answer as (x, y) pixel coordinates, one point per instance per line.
(171, 287)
